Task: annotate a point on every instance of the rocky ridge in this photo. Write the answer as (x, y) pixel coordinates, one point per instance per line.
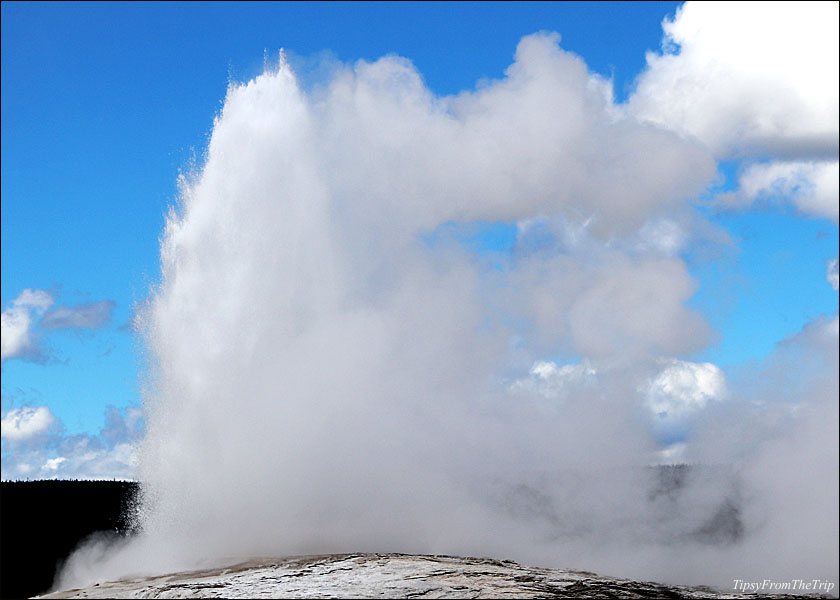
(391, 576)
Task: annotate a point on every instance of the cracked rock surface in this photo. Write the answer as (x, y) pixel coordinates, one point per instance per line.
(388, 576)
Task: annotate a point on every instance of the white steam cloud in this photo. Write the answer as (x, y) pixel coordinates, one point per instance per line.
(325, 380)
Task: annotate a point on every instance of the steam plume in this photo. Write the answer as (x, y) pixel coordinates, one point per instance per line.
(325, 379)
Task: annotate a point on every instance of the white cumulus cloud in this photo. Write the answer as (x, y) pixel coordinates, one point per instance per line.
(16, 337)
(754, 81)
(811, 186)
(36, 299)
(24, 423)
(747, 79)
(42, 449)
(54, 463)
(551, 380)
(34, 309)
(683, 388)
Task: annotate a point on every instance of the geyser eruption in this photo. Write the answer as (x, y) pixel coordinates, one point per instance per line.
(334, 371)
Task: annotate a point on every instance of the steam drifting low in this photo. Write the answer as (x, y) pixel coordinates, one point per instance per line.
(332, 370)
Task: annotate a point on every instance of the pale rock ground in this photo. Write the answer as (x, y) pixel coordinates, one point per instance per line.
(388, 576)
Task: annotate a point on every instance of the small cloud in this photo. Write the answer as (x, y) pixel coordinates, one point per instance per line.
(810, 186)
(21, 424)
(16, 337)
(17, 340)
(683, 388)
(553, 381)
(37, 299)
(85, 316)
(53, 463)
(831, 274)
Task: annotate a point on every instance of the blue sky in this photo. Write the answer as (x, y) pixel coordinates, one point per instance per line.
(104, 104)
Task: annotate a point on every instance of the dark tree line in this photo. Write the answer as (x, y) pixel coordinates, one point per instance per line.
(44, 521)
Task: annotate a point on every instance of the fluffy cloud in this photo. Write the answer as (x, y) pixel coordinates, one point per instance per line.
(725, 79)
(53, 463)
(678, 391)
(747, 79)
(39, 447)
(812, 187)
(83, 316)
(683, 388)
(31, 309)
(553, 381)
(16, 337)
(36, 299)
(21, 424)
